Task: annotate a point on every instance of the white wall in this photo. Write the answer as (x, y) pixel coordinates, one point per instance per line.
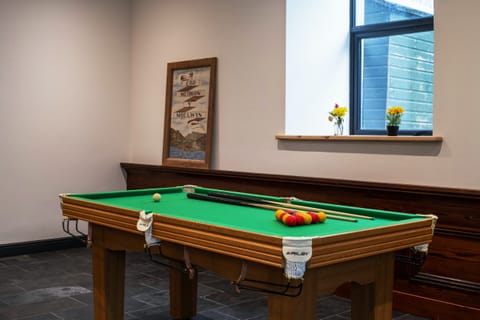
(67, 118)
(317, 64)
(249, 40)
(64, 82)
(248, 37)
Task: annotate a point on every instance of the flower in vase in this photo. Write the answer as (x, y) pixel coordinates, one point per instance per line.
(337, 116)
(394, 115)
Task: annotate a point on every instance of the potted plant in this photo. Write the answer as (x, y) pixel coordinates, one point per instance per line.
(337, 116)
(394, 118)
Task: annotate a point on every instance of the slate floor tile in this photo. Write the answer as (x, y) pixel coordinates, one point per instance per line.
(46, 316)
(44, 294)
(38, 282)
(153, 313)
(38, 308)
(245, 310)
(86, 299)
(58, 285)
(331, 305)
(213, 315)
(12, 272)
(78, 313)
(8, 289)
(153, 297)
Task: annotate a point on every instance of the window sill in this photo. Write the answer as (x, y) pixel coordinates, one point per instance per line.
(360, 138)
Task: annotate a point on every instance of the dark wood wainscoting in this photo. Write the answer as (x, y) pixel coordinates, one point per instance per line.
(443, 285)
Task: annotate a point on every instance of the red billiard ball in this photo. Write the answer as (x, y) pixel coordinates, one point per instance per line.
(299, 219)
(314, 216)
(290, 220)
(306, 217)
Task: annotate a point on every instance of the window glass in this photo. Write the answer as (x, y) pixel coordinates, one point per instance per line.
(397, 70)
(392, 58)
(382, 11)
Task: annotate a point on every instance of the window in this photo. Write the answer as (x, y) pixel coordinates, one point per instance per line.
(391, 63)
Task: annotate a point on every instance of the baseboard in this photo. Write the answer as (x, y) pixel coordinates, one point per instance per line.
(433, 308)
(15, 249)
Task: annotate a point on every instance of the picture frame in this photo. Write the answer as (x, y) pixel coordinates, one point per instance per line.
(189, 113)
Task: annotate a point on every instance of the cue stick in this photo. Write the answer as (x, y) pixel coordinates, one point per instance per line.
(287, 205)
(206, 197)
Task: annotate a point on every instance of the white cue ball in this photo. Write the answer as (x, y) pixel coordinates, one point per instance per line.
(156, 197)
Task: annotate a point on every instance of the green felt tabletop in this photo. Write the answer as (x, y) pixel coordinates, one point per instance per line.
(175, 203)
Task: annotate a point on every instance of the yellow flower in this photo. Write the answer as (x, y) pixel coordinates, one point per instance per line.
(337, 113)
(395, 110)
(394, 115)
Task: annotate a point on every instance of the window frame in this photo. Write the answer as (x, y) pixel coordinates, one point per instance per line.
(357, 34)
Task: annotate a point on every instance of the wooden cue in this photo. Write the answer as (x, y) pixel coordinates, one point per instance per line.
(286, 204)
(213, 198)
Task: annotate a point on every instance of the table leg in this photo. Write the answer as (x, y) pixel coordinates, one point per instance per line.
(301, 307)
(108, 283)
(183, 292)
(373, 301)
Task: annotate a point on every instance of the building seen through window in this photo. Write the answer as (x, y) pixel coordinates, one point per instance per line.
(392, 58)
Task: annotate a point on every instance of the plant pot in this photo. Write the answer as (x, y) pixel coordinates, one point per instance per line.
(392, 130)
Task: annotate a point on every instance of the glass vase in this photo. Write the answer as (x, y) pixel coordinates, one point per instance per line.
(338, 128)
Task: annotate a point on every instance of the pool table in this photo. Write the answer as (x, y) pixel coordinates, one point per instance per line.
(247, 245)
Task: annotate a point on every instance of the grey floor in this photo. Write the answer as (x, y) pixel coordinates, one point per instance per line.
(58, 285)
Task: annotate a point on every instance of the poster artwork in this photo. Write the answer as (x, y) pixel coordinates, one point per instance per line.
(188, 130)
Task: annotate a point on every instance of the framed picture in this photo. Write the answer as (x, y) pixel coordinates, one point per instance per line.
(190, 98)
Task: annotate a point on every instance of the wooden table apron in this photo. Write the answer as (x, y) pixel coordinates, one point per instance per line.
(364, 258)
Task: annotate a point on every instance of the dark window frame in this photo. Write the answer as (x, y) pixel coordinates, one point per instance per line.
(357, 34)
